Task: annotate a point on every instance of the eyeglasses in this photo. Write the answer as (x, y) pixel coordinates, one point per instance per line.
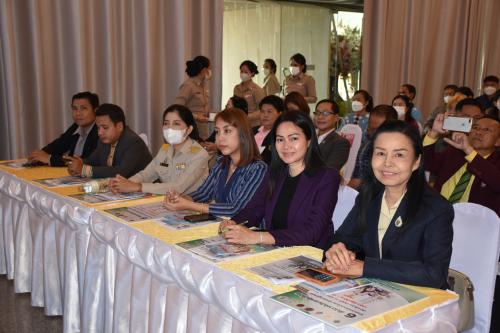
(322, 113)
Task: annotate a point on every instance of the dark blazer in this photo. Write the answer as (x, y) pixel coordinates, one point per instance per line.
(485, 189)
(418, 253)
(310, 213)
(131, 156)
(334, 150)
(266, 153)
(66, 144)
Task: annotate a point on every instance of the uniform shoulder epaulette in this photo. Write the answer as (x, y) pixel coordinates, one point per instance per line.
(195, 149)
(165, 146)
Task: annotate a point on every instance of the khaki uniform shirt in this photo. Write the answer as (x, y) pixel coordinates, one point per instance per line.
(194, 94)
(271, 85)
(253, 94)
(183, 171)
(303, 84)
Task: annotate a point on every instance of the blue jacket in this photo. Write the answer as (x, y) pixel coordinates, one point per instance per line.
(418, 253)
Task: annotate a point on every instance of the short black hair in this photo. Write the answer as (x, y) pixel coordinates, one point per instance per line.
(411, 89)
(252, 67)
(466, 91)
(114, 112)
(195, 66)
(491, 78)
(301, 60)
(275, 101)
(454, 87)
(240, 103)
(467, 101)
(271, 63)
(89, 96)
(388, 111)
(335, 106)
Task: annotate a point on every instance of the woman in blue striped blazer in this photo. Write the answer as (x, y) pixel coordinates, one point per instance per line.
(236, 176)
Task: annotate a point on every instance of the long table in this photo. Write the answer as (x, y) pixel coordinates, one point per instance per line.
(105, 275)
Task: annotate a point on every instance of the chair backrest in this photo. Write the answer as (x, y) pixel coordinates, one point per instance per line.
(476, 241)
(144, 138)
(353, 134)
(345, 201)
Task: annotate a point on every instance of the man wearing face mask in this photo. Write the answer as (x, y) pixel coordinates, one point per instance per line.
(490, 87)
(250, 91)
(299, 81)
(181, 164)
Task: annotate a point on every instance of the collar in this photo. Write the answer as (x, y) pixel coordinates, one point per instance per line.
(386, 209)
(84, 131)
(323, 136)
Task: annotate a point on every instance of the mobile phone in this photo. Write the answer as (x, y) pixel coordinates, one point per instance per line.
(318, 276)
(457, 124)
(199, 218)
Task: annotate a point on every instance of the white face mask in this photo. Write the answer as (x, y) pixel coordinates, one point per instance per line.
(446, 99)
(489, 90)
(173, 136)
(266, 71)
(209, 74)
(244, 77)
(295, 70)
(401, 110)
(357, 106)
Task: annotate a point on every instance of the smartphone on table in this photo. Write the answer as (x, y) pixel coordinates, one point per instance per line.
(199, 218)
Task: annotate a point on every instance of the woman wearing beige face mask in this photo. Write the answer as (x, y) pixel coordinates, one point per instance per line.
(299, 81)
(250, 91)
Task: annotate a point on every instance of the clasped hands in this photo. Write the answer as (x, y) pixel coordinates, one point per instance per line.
(340, 260)
(237, 233)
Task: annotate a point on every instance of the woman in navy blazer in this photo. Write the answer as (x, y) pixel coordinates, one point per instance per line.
(295, 201)
(399, 229)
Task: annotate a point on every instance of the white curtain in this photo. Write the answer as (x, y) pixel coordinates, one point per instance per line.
(131, 53)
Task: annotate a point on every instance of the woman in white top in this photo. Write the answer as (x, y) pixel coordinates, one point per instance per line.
(181, 164)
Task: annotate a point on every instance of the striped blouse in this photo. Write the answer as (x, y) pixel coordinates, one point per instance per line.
(231, 197)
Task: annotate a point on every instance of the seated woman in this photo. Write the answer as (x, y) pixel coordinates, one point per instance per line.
(180, 165)
(270, 108)
(236, 176)
(295, 202)
(399, 228)
(294, 101)
(403, 107)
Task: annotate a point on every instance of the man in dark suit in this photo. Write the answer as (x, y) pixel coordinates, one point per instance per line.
(467, 170)
(334, 149)
(79, 139)
(490, 86)
(120, 150)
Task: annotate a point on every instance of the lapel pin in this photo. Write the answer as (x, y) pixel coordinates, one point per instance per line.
(399, 222)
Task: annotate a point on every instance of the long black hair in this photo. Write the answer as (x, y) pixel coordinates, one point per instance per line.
(312, 159)
(371, 187)
(409, 107)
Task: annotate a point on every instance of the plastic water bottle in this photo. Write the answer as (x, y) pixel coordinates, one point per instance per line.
(96, 186)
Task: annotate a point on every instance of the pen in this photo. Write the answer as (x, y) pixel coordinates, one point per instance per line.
(225, 228)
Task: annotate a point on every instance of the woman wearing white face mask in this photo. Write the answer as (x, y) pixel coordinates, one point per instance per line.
(180, 165)
(403, 107)
(362, 105)
(250, 91)
(194, 93)
(271, 84)
(299, 81)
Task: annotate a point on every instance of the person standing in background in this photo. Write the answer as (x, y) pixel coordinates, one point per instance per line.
(271, 84)
(194, 93)
(410, 91)
(299, 81)
(250, 91)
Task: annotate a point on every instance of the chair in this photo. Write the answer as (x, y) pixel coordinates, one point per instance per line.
(476, 245)
(144, 138)
(345, 201)
(353, 134)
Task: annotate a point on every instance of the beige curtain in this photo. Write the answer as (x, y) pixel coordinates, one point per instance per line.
(131, 53)
(430, 44)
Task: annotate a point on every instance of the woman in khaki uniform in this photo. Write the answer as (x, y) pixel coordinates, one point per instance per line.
(299, 81)
(194, 93)
(271, 84)
(180, 165)
(250, 91)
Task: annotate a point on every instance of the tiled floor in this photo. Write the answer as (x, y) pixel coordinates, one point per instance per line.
(18, 316)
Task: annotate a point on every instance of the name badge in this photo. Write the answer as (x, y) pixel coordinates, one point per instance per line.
(180, 166)
(164, 164)
(399, 222)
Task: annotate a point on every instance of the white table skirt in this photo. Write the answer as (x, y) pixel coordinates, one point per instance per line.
(104, 276)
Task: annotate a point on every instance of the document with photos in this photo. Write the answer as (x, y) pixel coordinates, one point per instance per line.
(283, 271)
(217, 249)
(94, 198)
(62, 181)
(351, 305)
(140, 212)
(16, 164)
